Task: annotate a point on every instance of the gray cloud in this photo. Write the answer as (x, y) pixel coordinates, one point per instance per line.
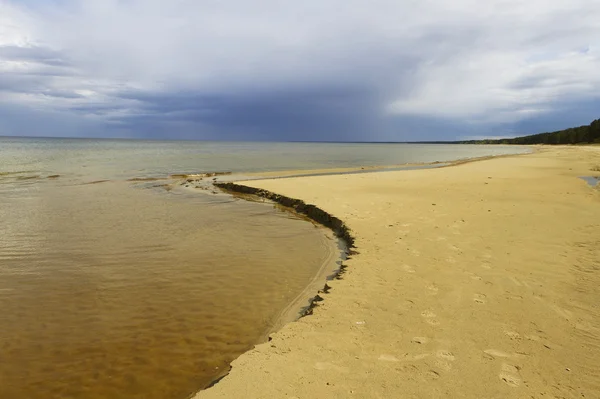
(35, 71)
(34, 85)
(19, 120)
(36, 54)
(338, 70)
(311, 113)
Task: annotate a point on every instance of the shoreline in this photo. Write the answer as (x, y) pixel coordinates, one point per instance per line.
(295, 311)
(246, 358)
(284, 174)
(298, 308)
(207, 181)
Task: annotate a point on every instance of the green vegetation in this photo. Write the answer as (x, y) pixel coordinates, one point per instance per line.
(576, 135)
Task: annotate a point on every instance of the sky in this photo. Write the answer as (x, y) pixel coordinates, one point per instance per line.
(311, 70)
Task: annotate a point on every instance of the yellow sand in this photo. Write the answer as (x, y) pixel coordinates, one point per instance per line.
(474, 281)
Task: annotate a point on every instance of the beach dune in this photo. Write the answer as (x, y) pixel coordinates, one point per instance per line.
(473, 281)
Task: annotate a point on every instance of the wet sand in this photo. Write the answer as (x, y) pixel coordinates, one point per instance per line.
(477, 281)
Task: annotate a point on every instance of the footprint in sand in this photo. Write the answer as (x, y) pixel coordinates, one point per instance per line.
(433, 289)
(421, 356)
(513, 335)
(433, 374)
(479, 298)
(510, 375)
(444, 359)
(442, 365)
(454, 248)
(446, 355)
(496, 353)
(408, 269)
(430, 317)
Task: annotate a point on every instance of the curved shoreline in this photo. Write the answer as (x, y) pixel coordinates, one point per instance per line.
(230, 176)
(315, 214)
(447, 271)
(311, 211)
(299, 207)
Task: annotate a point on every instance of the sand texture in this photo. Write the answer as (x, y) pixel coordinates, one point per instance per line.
(473, 281)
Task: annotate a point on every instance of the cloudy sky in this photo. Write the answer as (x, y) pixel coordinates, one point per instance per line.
(379, 70)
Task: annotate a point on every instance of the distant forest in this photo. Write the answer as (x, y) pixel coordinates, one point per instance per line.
(575, 135)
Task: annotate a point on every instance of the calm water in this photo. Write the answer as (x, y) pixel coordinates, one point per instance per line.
(112, 288)
(108, 159)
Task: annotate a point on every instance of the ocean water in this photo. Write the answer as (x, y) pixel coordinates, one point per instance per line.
(121, 159)
(118, 282)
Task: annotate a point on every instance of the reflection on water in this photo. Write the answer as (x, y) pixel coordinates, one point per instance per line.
(108, 291)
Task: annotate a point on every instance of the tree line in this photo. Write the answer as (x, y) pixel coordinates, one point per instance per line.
(576, 135)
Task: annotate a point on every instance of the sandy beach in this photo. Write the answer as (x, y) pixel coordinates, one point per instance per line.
(473, 281)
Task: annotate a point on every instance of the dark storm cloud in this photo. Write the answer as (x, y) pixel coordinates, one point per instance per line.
(18, 120)
(311, 70)
(336, 113)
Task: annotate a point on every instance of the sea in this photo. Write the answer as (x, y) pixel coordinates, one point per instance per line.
(118, 281)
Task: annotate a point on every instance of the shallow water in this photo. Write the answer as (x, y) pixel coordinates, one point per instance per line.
(112, 292)
(123, 289)
(591, 180)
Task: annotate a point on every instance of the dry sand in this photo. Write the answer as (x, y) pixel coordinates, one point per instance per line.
(474, 281)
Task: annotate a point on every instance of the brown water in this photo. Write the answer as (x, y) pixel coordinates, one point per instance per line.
(114, 290)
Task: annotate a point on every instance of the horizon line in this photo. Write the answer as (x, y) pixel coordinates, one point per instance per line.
(246, 141)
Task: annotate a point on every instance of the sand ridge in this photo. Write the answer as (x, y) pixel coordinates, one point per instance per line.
(474, 281)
